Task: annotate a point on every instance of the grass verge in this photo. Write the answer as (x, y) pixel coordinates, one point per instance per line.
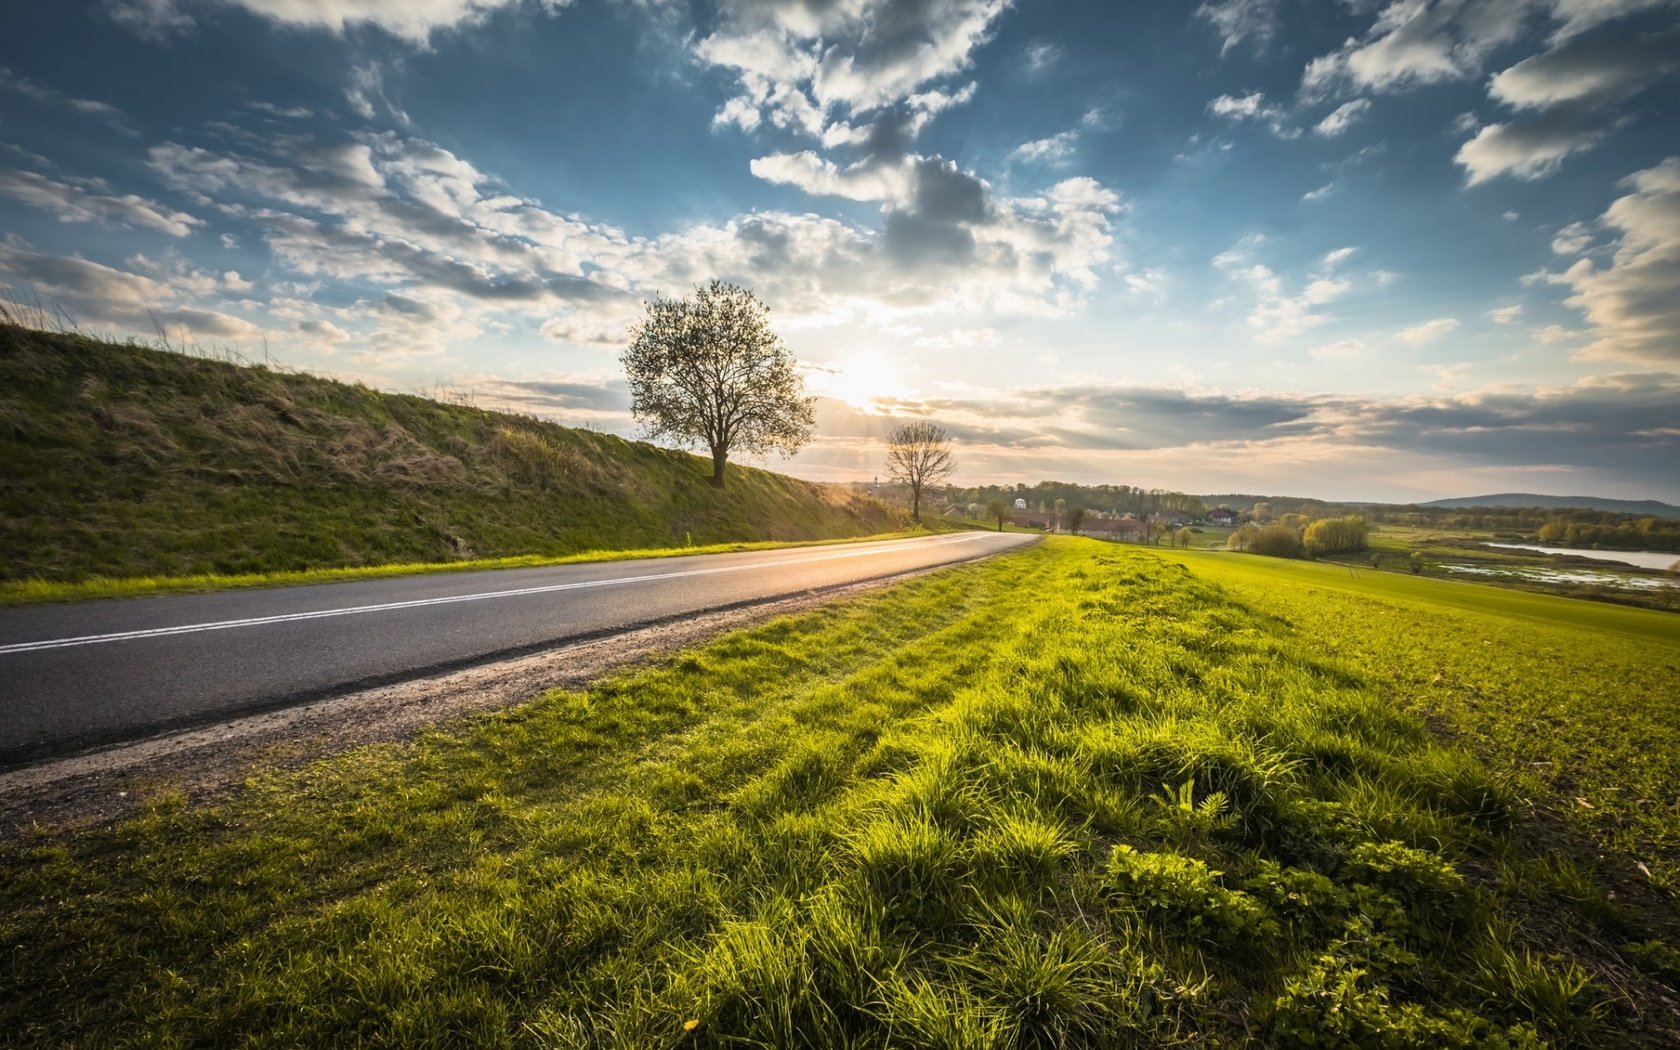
(1073, 797)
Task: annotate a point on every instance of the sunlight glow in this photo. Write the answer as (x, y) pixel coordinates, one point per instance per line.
(862, 381)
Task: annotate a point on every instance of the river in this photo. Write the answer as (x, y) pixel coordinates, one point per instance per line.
(1643, 559)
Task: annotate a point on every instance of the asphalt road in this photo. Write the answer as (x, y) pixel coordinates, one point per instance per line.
(74, 676)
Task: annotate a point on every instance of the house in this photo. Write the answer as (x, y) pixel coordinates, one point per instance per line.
(1222, 516)
(1034, 519)
(1113, 528)
(1020, 504)
(1170, 518)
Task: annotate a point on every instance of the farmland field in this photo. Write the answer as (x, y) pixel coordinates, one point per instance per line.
(1085, 795)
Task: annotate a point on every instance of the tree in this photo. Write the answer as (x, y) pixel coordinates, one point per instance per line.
(1184, 536)
(709, 370)
(919, 454)
(999, 508)
(1075, 518)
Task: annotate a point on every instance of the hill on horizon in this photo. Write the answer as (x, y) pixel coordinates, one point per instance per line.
(126, 461)
(1651, 507)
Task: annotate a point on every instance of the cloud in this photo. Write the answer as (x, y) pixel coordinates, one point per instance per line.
(1427, 332)
(1322, 192)
(1573, 239)
(1341, 349)
(1505, 314)
(1040, 55)
(1601, 68)
(1239, 20)
(1337, 256)
(1533, 148)
(799, 62)
(1633, 302)
(412, 20)
(1253, 106)
(1416, 42)
(1342, 117)
(21, 85)
(1618, 427)
(1057, 149)
(1278, 317)
(80, 201)
(155, 20)
(95, 294)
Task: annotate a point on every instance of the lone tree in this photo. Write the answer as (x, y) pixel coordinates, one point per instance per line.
(999, 508)
(708, 370)
(919, 454)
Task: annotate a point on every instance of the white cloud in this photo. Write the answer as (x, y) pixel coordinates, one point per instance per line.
(150, 19)
(1340, 350)
(1573, 239)
(1239, 20)
(1322, 192)
(1530, 149)
(1057, 149)
(95, 294)
(82, 201)
(1336, 257)
(1427, 332)
(1505, 314)
(412, 20)
(1342, 117)
(1253, 106)
(1415, 42)
(1599, 68)
(1040, 55)
(1633, 303)
(1276, 316)
(799, 62)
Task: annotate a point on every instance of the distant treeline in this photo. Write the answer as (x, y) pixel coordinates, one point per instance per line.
(1111, 499)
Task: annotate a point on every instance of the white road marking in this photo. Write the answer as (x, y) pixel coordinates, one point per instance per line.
(256, 621)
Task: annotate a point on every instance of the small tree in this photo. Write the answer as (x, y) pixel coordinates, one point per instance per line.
(919, 454)
(1184, 536)
(999, 508)
(709, 370)
(1075, 518)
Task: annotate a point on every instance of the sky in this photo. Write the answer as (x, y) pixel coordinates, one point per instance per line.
(1362, 250)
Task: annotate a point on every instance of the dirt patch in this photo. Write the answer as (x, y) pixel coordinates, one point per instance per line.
(204, 764)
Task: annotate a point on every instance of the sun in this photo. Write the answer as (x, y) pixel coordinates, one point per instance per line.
(862, 381)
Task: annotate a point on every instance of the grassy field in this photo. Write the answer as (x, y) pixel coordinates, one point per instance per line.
(1078, 796)
(124, 462)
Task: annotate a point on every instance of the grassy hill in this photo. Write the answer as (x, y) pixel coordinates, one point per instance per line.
(122, 461)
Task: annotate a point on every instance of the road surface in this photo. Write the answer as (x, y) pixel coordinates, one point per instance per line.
(74, 676)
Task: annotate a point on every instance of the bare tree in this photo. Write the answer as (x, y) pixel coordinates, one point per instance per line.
(919, 455)
(709, 370)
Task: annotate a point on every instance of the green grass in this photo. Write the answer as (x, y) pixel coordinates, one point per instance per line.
(1576, 699)
(124, 463)
(1071, 797)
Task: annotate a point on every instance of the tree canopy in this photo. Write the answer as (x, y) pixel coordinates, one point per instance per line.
(708, 370)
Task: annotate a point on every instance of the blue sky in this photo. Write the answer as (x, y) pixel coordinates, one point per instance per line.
(1356, 250)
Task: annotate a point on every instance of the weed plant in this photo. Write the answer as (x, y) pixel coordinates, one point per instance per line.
(1072, 797)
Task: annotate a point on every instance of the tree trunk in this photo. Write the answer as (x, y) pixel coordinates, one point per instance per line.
(719, 456)
(915, 503)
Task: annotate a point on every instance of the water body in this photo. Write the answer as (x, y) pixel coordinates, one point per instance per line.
(1643, 559)
(1572, 576)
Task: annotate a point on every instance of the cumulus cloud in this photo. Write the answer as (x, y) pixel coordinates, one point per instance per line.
(1427, 332)
(798, 63)
(1505, 314)
(1633, 302)
(85, 201)
(1415, 42)
(1253, 106)
(1056, 149)
(1573, 239)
